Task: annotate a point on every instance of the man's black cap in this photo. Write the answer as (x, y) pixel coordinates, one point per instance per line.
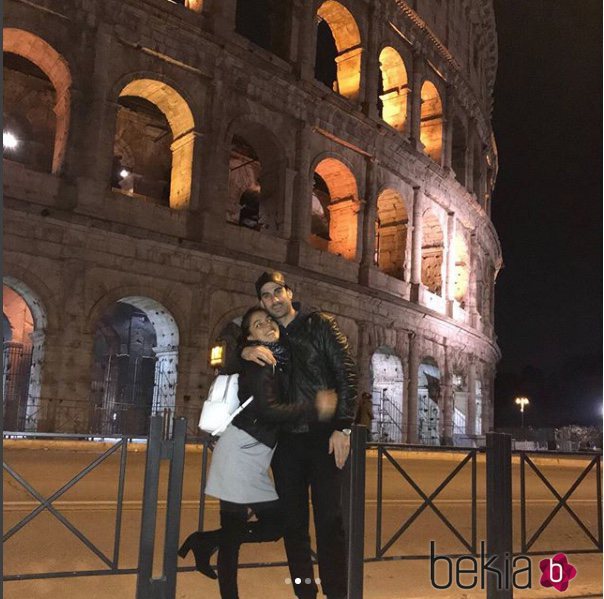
(270, 277)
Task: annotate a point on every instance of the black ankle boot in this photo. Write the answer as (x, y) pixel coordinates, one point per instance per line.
(203, 545)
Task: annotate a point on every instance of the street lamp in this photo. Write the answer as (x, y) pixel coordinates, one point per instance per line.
(522, 401)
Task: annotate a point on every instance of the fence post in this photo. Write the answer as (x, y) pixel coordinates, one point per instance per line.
(356, 515)
(159, 448)
(499, 513)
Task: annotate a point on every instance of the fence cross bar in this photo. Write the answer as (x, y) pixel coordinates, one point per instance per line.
(45, 504)
(561, 501)
(428, 501)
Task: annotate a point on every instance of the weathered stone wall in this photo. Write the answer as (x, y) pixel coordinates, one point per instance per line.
(81, 247)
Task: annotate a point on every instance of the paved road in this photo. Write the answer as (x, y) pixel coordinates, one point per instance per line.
(46, 545)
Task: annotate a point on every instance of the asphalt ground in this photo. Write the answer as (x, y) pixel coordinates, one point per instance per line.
(45, 545)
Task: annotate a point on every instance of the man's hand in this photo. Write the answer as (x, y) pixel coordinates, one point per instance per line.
(259, 354)
(339, 445)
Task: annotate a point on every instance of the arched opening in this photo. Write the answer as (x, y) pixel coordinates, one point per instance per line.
(458, 150)
(266, 23)
(387, 396)
(460, 405)
(24, 324)
(256, 176)
(431, 121)
(391, 234)
(335, 206)
(477, 174)
(393, 89)
(336, 26)
(134, 369)
(462, 270)
(153, 147)
(37, 95)
(432, 253)
(429, 397)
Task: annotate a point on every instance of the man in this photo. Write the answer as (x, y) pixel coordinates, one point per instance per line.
(311, 455)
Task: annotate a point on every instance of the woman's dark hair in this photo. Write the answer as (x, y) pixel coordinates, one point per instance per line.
(246, 323)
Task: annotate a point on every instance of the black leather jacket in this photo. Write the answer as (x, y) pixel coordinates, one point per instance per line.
(263, 416)
(321, 359)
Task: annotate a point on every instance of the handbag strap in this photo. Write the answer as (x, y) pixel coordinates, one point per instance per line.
(228, 421)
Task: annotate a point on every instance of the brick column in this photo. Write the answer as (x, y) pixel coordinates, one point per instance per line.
(449, 283)
(369, 216)
(416, 244)
(448, 128)
(416, 100)
(372, 63)
(412, 387)
(307, 40)
(447, 397)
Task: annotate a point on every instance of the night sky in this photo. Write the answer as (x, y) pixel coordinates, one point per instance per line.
(547, 209)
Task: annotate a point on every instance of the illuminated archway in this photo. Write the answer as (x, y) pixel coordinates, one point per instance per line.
(387, 388)
(54, 66)
(391, 234)
(181, 124)
(394, 88)
(432, 253)
(347, 39)
(431, 125)
(335, 194)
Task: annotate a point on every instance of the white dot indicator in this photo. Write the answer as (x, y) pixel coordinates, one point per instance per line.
(298, 580)
(307, 580)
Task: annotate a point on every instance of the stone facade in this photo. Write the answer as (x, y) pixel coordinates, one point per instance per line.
(401, 141)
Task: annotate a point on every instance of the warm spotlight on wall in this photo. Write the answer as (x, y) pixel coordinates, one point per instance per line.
(217, 355)
(9, 140)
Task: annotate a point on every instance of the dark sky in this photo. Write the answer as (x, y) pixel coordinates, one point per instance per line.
(547, 207)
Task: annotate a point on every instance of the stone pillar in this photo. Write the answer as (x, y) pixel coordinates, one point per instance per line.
(372, 62)
(416, 101)
(166, 374)
(471, 415)
(448, 129)
(181, 180)
(449, 285)
(416, 244)
(488, 399)
(349, 73)
(344, 228)
(222, 16)
(473, 283)
(369, 217)
(307, 39)
(412, 386)
(301, 209)
(34, 392)
(447, 398)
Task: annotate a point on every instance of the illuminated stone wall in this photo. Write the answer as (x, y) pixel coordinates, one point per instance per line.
(402, 140)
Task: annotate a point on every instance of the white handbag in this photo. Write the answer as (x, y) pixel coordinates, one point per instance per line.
(222, 404)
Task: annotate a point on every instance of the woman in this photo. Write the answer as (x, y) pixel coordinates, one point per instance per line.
(240, 462)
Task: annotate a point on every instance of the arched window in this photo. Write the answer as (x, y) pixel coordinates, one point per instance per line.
(393, 88)
(345, 35)
(458, 150)
(462, 270)
(431, 123)
(432, 253)
(335, 193)
(387, 389)
(24, 320)
(391, 234)
(134, 369)
(37, 95)
(154, 140)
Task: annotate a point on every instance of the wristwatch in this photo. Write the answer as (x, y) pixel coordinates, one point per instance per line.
(346, 431)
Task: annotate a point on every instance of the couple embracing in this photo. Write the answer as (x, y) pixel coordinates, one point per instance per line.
(299, 369)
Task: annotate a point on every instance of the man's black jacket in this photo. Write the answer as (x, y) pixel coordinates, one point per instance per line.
(321, 359)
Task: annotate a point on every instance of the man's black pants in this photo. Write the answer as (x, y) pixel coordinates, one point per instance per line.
(301, 461)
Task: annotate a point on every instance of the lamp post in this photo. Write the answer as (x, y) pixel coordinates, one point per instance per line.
(522, 402)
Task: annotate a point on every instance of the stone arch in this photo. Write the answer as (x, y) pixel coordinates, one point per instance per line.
(23, 358)
(387, 389)
(394, 88)
(55, 67)
(173, 106)
(391, 233)
(431, 121)
(432, 253)
(461, 276)
(134, 364)
(429, 399)
(347, 39)
(257, 167)
(336, 193)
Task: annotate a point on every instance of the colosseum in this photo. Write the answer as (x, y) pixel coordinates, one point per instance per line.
(159, 155)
